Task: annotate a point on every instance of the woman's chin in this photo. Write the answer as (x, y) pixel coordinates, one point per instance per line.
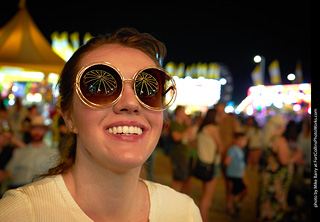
(127, 161)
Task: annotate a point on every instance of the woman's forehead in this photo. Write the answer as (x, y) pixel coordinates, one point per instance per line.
(124, 58)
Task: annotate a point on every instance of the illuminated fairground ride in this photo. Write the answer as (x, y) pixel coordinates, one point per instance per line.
(263, 101)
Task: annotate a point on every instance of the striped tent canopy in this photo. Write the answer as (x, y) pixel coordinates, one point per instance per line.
(23, 45)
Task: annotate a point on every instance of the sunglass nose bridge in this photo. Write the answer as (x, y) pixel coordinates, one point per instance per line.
(128, 80)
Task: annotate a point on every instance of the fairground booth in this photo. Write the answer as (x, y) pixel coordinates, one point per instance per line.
(28, 66)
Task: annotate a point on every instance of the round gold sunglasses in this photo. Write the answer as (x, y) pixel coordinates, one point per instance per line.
(101, 84)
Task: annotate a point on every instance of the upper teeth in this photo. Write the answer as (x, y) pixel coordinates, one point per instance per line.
(125, 130)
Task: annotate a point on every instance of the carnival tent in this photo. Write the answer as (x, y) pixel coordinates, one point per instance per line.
(23, 45)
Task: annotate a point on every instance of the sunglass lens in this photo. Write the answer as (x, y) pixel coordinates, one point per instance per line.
(100, 84)
(155, 88)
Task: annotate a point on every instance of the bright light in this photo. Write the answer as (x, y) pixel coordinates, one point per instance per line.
(188, 111)
(249, 110)
(296, 107)
(229, 109)
(197, 92)
(307, 97)
(11, 102)
(245, 103)
(11, 96)
(287, 94)
(291, 77)
(15, 88)
(53, 78)
(278, 88)
(223, 81)
(304, 86)
(37, 97)
(257, 59)
(278, 104)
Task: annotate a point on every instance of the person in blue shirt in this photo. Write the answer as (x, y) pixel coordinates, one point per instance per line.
(235, 169)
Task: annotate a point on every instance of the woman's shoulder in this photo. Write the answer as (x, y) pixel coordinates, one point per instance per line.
(210, 129)
(20, 202)
(164, 191)
(14, 206)
(211, 126)
(45, 200)
(33, 190)
(170, 205)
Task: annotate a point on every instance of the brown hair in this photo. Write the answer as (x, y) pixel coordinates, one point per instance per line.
(128, 37)
(237, 135)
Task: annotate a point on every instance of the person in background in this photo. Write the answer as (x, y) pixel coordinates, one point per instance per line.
(6, 127)
(17, 113)
(193, 123)
(304, 143)
(32, 112)
(4, 117)
(277, 170)
(209, 149)
(235, 172)
(300, 195)
(181, 135)
(8, 144)
(165, 135)
(33, 160)
(254, 135)
(228, 125)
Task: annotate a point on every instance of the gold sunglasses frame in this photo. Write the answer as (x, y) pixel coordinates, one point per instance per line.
(98, 106)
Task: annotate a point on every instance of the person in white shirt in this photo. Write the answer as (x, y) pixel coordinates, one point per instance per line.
(254, 135)
(34, 159)
(113, 93)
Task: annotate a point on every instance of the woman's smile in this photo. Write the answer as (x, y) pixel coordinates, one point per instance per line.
(129, 131)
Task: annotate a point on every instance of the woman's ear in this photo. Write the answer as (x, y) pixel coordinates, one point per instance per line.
(67, 116)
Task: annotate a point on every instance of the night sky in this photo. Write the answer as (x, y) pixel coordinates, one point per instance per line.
(228, 32)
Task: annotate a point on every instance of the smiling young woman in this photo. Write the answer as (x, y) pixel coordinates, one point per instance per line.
(113, 92)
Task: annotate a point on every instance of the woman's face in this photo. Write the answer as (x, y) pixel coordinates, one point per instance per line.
(97, 139)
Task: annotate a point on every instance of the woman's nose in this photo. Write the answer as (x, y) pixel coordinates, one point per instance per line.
(128, 102)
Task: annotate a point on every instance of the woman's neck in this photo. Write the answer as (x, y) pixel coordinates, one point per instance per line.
(107, 196)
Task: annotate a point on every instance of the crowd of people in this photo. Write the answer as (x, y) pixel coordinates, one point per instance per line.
(277, 154)
(24, 155)
(207, 147)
